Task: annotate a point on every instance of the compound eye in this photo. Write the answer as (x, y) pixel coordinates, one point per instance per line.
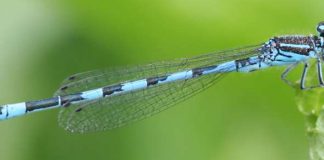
(320, 29)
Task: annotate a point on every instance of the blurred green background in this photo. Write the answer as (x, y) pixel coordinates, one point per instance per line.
(243, 117)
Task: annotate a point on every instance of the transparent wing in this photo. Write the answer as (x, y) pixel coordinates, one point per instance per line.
(116, 111)
(99, 78)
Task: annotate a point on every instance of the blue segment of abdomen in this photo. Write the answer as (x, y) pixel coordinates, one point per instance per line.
(243, 65)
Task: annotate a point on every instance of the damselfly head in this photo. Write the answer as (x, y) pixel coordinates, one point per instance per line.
(320, 29)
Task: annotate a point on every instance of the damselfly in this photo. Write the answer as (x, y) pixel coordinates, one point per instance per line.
(107, 99)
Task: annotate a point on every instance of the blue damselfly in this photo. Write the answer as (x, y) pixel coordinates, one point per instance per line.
(106, 99)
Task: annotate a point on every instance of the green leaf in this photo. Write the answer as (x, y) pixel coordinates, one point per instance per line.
(310, 103)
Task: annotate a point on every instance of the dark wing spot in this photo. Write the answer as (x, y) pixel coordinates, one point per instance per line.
(78, 110)
(64, 88)
(71, 78)
(67, 104)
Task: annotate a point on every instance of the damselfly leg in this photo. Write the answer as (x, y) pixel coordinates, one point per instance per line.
(286, 72)
(319, 72)
(303, 78)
